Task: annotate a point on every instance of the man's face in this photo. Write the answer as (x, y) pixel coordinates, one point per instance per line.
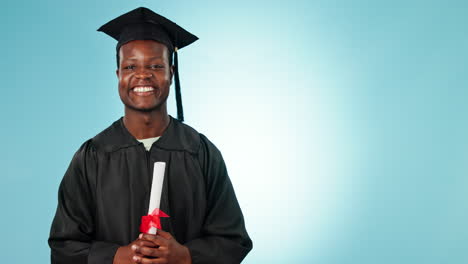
(144, 75)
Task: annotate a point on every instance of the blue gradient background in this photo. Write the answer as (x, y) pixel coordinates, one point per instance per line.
(343, 123)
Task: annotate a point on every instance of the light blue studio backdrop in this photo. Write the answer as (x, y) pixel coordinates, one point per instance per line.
(343, 124)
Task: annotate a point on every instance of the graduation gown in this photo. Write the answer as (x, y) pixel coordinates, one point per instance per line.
(105, 192)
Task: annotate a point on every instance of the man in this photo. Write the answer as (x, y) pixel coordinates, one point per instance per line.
(105, 191)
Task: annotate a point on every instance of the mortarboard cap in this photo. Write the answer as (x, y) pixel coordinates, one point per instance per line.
(144, 24)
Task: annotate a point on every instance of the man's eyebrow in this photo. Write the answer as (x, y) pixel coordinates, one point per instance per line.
(134, 59)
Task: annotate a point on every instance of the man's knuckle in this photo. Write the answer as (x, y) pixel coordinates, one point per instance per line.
(140, 243)
(143, 251)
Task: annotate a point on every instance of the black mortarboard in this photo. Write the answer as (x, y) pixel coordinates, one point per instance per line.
(141, 24)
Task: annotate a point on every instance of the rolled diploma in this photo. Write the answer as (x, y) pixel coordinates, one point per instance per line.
(156, 190)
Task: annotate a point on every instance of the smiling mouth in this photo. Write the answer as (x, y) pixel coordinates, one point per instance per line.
(143, 90)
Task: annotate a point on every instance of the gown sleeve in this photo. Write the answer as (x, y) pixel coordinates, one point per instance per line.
(72, 232)
(224, 237)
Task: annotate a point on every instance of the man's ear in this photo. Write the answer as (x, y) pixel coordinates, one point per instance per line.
(172, 69)
(117, 73)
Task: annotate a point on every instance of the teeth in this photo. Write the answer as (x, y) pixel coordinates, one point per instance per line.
(141, 89)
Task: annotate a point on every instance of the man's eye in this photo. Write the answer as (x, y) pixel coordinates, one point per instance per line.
(157, 66)
(129, 67)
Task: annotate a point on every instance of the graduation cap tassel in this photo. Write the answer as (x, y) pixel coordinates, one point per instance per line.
(180, 111)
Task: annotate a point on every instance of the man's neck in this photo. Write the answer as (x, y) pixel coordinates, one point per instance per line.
(146, 124)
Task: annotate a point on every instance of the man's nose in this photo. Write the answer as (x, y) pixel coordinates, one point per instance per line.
(143, 74)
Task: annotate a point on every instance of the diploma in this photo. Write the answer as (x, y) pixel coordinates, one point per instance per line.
(151, 222)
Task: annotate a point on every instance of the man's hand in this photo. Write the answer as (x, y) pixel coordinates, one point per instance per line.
(165, 249)
(124, 255)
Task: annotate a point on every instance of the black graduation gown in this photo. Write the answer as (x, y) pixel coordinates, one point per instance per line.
(106, 189)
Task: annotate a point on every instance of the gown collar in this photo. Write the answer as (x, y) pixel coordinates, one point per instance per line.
(176, 137)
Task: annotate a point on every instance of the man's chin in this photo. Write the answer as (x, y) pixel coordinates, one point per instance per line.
(147, 109)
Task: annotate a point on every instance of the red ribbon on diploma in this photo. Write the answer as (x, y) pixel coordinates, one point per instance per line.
(152, 220)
